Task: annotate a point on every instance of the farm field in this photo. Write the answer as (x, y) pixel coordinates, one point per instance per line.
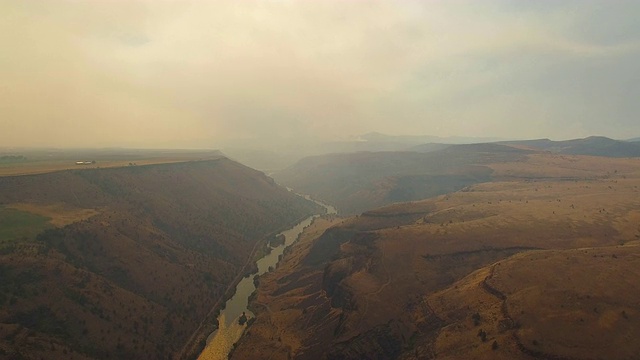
(44, 161)
(16, 225)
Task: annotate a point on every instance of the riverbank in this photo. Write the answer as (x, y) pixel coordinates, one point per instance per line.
(210, 323)
(274, 312)
(221, 341)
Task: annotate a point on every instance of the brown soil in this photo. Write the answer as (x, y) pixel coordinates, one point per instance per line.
(406, 281)
(139, 257)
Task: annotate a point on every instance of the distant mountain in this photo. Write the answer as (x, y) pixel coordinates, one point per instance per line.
(262, 159)
(496, 149)
(594, 146)
(375, 142)
(378, 137)
(428, 147)
(278, 154)
(634, 139)
(421, 139)
(351, 146)
(357, 182)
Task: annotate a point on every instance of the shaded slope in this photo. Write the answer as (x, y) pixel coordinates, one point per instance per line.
(361, 181)
(135, 279)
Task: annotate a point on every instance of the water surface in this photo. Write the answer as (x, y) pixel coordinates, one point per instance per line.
(221, 341)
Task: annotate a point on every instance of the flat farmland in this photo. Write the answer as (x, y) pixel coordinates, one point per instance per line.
(28, 162)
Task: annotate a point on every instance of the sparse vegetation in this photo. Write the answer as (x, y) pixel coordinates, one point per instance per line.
(136, 259)
(482, 335)
(486, 263)
(12, 158)
(16, 225)
(476, 319)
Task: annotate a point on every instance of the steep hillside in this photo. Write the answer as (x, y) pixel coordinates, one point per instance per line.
(532, 262)
(125, 263)
(360, 181)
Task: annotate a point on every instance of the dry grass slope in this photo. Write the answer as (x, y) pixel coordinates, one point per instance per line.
(133, 258)
(539, 263)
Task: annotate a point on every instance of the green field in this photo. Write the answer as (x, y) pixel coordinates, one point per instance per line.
(16, 225)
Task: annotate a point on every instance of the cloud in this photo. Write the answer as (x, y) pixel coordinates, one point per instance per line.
(204, 74)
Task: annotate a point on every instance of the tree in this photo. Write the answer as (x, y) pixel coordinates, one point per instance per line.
(476, 319)
(483, 335)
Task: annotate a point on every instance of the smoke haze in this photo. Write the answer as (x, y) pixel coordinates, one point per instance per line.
(219, 73)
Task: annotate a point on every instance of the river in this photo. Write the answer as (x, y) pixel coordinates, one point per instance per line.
(220, 342)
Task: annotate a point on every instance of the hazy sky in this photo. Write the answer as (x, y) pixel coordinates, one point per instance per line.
(205, 73)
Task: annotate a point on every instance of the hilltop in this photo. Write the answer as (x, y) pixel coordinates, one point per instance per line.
(593, 145)
(359, 181)
(126, 262)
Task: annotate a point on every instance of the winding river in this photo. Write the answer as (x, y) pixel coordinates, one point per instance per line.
(220, 342)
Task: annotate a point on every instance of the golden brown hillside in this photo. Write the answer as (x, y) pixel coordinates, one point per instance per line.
(528, 259)
(551, 304)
